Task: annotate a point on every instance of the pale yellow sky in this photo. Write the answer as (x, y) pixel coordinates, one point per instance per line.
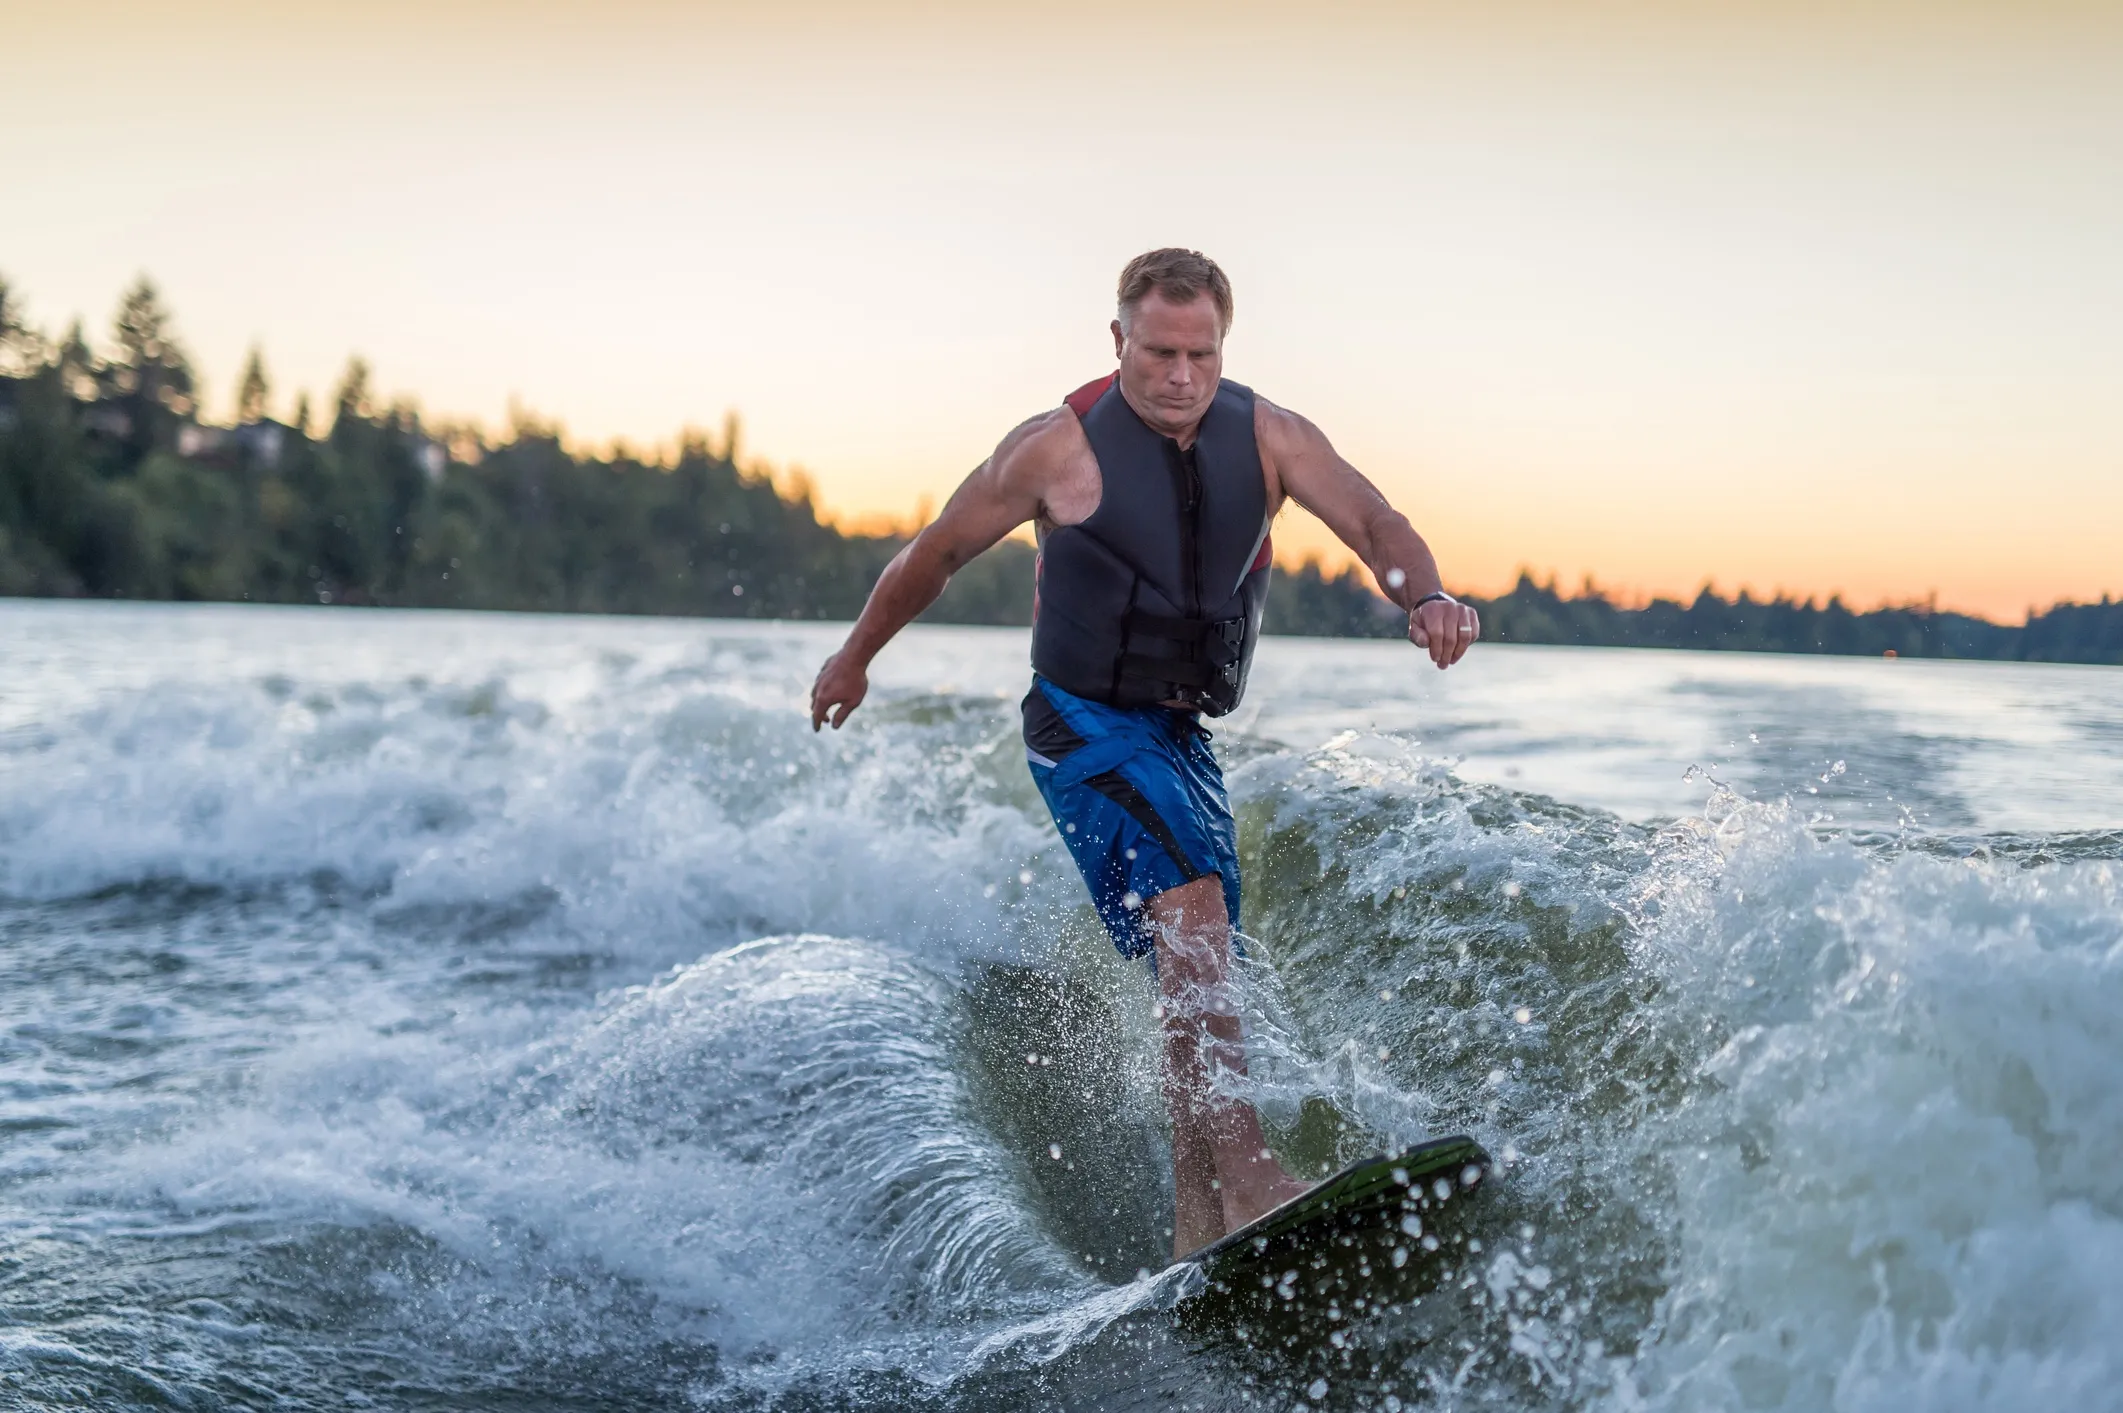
(1794, 296)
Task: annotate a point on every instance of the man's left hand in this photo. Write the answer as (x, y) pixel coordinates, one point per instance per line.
(1444, 628)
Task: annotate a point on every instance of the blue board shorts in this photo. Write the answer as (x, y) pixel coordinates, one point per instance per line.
(1139, 800)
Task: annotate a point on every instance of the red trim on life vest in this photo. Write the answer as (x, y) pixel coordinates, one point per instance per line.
(1080, 401)
(1260, 561)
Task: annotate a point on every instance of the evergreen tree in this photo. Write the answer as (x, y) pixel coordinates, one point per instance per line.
(253, 391)
(371, 515)
(150, 367)
(353, 396)
(149, 380)
(80, 371)
(23, 352)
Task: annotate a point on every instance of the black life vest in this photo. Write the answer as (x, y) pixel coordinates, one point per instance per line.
(1157, 596)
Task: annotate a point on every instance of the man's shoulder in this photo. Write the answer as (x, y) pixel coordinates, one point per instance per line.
(1042, 445)
(1084, 398)
(1277, 426)
(1044, 431)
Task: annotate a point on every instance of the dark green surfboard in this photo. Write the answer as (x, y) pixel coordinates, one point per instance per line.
(1360, 1216)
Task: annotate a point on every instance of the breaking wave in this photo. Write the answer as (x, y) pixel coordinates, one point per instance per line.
(465, 1010)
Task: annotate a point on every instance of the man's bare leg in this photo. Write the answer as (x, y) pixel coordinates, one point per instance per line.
(1223, 1175)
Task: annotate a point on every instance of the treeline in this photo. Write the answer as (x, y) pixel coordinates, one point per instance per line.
(1538, 613)
(113, 484)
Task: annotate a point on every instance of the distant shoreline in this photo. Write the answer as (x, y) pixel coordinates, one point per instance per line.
(1495, 610)
(112, 487)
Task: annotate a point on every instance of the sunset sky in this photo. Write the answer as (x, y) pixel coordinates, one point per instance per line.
(1819, 297)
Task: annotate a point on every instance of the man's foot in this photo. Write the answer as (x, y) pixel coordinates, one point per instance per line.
(1259, 1190)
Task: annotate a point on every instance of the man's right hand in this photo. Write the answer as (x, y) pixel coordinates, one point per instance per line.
(843, 683)
(1445, 629)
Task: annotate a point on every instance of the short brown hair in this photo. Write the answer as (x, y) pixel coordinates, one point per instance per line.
(1181, 276)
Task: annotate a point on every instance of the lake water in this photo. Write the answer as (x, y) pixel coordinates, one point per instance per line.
(435, 1011)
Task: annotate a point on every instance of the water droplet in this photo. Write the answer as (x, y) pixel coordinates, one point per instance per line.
(1430, 1243)
(1523, 1015)
(1384, 1054)
(1470, 1175)
(1412, 1224)
(1385, 995)
(1400, 1177)
(1054, 1151)
(1442, 1188)
(1511, 890)
(1024, 877)
(1395, 578)
(1130, 854)
(1318, 1388)
(987, 892)
(1400, 1257)
(1131, 900)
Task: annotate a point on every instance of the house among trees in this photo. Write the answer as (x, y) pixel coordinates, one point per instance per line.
(113, 484)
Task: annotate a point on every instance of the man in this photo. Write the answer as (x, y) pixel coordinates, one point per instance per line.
(1153, 490)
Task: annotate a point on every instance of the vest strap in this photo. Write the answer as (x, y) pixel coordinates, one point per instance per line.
(1159, 625)
(1179, 671)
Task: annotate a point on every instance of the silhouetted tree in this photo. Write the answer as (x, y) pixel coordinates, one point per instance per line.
(80, 371)
(253, 389)
(353, 395)
(382, 511)
(149, 378)
(23, 352)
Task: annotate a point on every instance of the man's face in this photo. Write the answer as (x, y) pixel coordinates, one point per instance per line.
(1171, 357)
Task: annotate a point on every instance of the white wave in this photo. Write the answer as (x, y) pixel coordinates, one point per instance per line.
(1815, 1123)
(773, 1141)
(1904, 1185)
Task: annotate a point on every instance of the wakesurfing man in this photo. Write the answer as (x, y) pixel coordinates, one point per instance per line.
(1152, 490)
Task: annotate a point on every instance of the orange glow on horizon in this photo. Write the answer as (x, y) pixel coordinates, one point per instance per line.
(1793, 297)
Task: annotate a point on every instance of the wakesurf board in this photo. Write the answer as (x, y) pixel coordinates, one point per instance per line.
(1396, 1209)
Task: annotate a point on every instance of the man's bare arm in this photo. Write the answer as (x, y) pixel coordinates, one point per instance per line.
(1002, 493)
(1309, 470)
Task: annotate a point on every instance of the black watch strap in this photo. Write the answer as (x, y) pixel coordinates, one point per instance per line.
(1434, 596)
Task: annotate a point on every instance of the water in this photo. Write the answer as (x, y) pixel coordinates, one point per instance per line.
(447, 1011)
